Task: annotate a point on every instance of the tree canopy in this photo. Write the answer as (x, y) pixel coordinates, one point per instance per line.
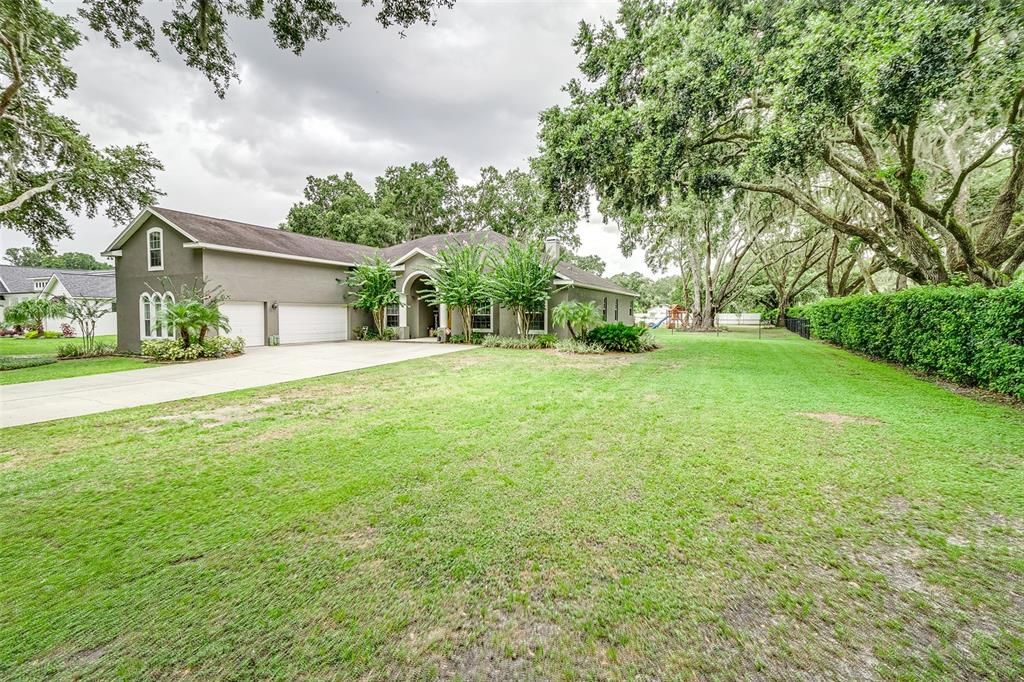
(198, 29)
(73, 260)
(894, 122)
(48, 167)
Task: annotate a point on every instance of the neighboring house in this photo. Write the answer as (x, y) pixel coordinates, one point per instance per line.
(292, 286)
(19, 283)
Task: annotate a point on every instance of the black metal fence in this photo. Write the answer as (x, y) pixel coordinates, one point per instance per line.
(799, 326)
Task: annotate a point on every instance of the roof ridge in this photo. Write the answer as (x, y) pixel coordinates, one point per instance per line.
(277, 230)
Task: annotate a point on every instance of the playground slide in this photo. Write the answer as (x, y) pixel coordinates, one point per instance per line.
(659, 322)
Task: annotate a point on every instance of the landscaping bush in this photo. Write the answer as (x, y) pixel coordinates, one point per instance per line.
(66, 330)
(970, 335)
(476, 338)
(546, 340)
(174, 350)
(8, 332)
(51, 334)
(514, 342)
(23, 361)
(73, 350)
(370, 334)
(32, 334)
(577, 347)
(621, 338)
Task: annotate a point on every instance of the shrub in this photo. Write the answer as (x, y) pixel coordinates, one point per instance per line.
(970, 335)
(476, 338)
(546, 340)
(365, 333)
(175, 350)
(66, 330)
(514, 342)
(32, 334)
(23, 361)
(50, 334)
(8, 332)
(67, 351)
(621, 338)
(577, 347)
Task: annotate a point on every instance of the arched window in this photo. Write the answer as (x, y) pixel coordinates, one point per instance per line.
(151, 309)
(155, 248)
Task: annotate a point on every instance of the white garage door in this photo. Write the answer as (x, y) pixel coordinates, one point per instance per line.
(304, 323)
(246, 320)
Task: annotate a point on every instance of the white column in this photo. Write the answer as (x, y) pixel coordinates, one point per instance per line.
(403, 310)
(442, 314)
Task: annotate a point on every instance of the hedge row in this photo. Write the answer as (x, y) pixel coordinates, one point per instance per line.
(969, 335)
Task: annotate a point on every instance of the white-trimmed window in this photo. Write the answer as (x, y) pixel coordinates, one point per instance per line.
(155, 248)
(538, 320)
(631, 307)
(616, 308)
(151, 311)
(391, 315)
(37, 285)
(482, 318)
(604, 312)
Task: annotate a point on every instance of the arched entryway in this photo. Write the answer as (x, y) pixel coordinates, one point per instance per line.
(421, 318)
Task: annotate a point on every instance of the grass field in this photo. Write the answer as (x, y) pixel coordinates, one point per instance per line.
(63, 369)
(17, 346)
(722, 508)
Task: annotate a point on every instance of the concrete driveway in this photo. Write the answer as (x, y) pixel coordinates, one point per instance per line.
(61, 398)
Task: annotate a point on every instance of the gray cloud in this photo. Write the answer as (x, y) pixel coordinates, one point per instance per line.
(469, 88)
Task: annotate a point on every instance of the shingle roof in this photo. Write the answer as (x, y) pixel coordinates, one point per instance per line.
(233, 234)
(91, 285)
(15, 279)
(238, 235)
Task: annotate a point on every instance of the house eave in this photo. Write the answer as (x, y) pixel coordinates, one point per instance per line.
(266, 254)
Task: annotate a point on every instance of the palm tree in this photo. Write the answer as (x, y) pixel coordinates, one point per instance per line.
(33, 312)
(584, 316)
(183, 318)
(210, 317)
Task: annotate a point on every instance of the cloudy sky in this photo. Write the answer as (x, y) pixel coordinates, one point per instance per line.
(469, 88)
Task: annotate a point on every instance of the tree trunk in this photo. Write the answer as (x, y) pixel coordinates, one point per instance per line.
(467, 322)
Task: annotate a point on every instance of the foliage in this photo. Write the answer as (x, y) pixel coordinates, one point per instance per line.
(640, 284)
(969, 335)
(512, 342)
(422, 196)
(32, 312)
(51, 334)
(895, 122)
(366, 334)
(340, 209)
(50, 169)
(373, 282)
(545, 340)
(476, 338)
(578, 347)
(78, 350)
(516, 205)
(521, 279)
(175, 350)
(35, 258)
(621, 338)
(593, 263)
(577, 316)
(86, 312)
(66, 330)
(198, 29)
(8, 362)
(457, 279)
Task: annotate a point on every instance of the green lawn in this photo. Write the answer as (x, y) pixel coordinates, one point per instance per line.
(70, 368)
(722, 508)
(15, 346)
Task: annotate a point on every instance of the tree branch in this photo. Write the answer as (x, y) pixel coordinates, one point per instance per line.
(17, 203)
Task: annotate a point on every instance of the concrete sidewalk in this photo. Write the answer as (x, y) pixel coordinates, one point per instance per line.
(61, 398)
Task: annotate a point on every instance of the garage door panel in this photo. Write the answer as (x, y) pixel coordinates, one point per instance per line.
(246, 320)
(307, 323)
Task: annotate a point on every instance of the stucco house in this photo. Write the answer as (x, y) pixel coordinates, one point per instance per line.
(19, 283)
(290, 287)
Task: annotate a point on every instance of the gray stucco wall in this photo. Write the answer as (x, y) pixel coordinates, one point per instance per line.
(258, 279)
(182, 267)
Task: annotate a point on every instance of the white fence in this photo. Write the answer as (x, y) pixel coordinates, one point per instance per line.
(738, 319)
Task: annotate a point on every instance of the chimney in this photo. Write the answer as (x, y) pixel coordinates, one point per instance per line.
(553, 247)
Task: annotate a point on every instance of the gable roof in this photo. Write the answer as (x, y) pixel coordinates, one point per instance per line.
(96, 284)
(230, 235)
(15, 279)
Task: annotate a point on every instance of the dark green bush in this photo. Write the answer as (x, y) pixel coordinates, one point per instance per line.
(23, 361)
(970, 335)
(621, 338)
